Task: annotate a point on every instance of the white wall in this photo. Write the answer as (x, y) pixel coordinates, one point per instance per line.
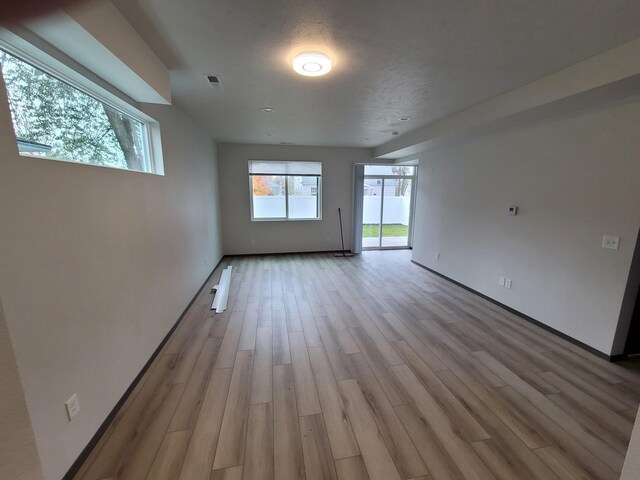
(631, 468)
(241, 235)
(574, 180)
(96, 265)
(18, 454)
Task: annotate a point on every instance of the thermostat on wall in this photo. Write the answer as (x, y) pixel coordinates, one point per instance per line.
(513, 211)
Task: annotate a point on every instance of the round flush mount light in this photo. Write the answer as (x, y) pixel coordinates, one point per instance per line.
(267, 109)
(404, 119)
(312, 64)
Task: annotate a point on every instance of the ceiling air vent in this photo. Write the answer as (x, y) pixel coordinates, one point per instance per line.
(215, 81)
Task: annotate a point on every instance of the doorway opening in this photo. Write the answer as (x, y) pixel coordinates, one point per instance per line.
(632, 343)
(632, 347)
(387, 206)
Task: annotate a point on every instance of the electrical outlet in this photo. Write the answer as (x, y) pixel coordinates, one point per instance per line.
(73, 406)
(611, 242)
(507, 282)
(253, 241)
(437, 255)
(501, 281)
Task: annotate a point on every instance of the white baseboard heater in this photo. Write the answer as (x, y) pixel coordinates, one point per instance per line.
(222, 291)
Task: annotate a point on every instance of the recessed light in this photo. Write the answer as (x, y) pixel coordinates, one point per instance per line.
(267, 109)
(312, 64)
(404, 119)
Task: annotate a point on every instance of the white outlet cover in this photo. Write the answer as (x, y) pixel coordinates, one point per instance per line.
(73, 406)
(501, 281)
(609, 241)
(507, 282)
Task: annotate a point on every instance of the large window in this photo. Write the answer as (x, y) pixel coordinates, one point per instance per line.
(55, 120)
(285, 190)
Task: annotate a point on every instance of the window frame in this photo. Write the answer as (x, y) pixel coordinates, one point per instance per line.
(286, 191)
(85, 82)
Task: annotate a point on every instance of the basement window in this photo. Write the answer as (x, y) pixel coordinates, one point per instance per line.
(53, 119)
(281, 190)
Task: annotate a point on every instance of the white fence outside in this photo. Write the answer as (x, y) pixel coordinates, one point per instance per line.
(274, 206)
(397, 210)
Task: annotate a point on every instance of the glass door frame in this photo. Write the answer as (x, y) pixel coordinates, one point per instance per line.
(414, 179)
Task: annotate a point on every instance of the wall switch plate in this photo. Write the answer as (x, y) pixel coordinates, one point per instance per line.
(501, 281)
(73, 406)
(507, 282)
(513, 211)
(611, 242)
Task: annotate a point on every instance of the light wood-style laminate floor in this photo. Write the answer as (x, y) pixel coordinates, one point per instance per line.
(366, 368)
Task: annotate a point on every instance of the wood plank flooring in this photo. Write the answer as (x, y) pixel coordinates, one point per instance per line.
(366, 368)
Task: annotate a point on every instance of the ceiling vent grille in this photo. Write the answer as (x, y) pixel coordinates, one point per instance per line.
(215, 81)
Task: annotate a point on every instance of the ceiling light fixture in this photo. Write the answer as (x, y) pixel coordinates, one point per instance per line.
(312, 64)
(267, 109)
(404, 119)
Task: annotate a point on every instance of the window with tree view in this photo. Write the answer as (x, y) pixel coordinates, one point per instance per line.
(54, 120)
(285, 190)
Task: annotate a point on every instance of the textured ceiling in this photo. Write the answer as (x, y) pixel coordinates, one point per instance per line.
(420, 58)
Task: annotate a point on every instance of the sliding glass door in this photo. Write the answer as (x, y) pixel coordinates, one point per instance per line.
(372, 212)
(387, 212)
(396, 212)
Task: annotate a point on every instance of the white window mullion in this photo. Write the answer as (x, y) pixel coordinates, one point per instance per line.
(286, 196)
